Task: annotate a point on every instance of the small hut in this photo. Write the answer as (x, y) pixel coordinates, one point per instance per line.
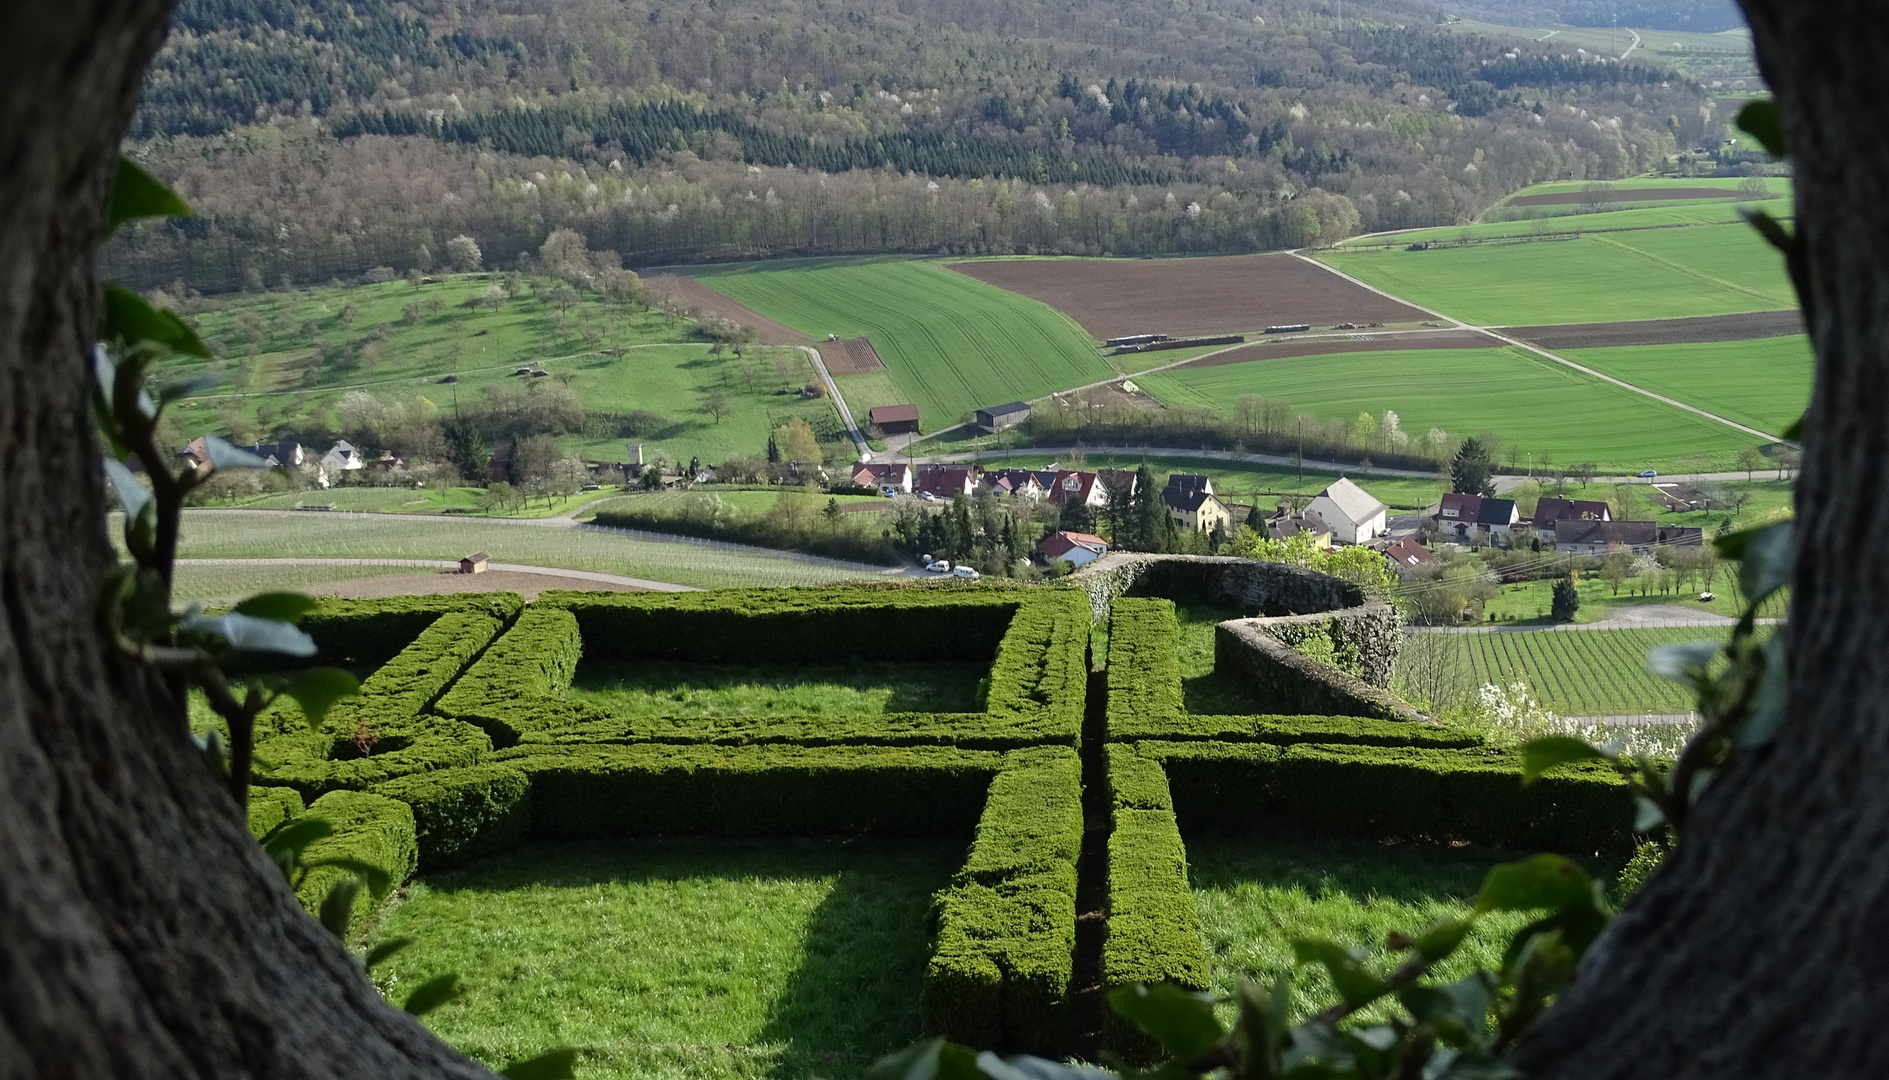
(474, 563)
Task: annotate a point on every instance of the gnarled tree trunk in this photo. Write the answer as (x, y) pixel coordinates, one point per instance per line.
(1763, 948)
(142, 933)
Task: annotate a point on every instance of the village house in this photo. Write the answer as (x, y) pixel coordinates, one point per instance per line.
(889, 479)
(282, 455)
(1079, 549)
(1408, 557)
(1597, 538)
(1679, 498)
(1354, 515)
(1550, 513)
(1084, 488)
(1193, 505)
(1020, 483)
(894, 419)
(945, 481)
(195, 454)
(1284, 525)
(1460, 516)
(1114, 480)
(998, 417)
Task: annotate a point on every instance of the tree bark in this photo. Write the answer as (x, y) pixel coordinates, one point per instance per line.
(142, 933)
(1762, 949)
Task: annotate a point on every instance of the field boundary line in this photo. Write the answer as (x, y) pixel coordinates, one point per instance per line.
(1680, 268)
(1546, 355)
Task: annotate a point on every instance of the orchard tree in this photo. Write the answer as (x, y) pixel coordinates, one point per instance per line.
(465, 254)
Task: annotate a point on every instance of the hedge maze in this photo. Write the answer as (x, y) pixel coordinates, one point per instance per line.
(466, 741)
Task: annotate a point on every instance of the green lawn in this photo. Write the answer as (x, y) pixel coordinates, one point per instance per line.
(1660, 274)
(1763, 383)
(1256, 896)
(1561, 219)
(210, 534)
(645, 689)
(1535, 404)
(710, 960)
(1530, 601)
(951, 343)
(1204, 692)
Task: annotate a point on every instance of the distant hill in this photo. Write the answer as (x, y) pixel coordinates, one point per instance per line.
(1693, 16)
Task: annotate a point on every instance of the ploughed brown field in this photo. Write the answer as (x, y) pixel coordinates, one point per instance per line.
(1331, 346)
(690, 293)
(1220, 295)
(1628, 195)
(1700, 330)
(854, 356)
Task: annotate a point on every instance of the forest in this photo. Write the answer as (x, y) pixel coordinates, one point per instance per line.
(320, 140)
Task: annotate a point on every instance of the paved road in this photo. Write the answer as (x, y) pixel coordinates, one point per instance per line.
(1543, 353)
(447, 564)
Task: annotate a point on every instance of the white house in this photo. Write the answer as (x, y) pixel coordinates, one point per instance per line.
(1079, 549)
(1354, 516)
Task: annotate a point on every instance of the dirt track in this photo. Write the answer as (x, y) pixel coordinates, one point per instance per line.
(1446, 339)
(1219, 295)
(1630, 195)
(691, 293)
(1707, 328)
(854, 356)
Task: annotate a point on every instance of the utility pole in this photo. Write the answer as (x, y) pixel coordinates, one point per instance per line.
(1301, 449)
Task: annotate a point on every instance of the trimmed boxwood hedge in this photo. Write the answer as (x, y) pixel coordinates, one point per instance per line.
(372, 828)
(271, 806)
(581, 792)
(1000, 973)
(1397, 793)
(465, 812)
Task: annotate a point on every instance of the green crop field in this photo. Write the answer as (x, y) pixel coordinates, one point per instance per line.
(713, 960)
(1557, 219)
(682, 689)
(616, 360)
(1584, 672)
(211, 534)
(950, 343)
(1763, 383)
(1649, 274)
(1256, 896)
(1535, 404)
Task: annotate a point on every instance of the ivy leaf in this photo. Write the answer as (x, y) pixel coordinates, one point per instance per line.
(433, 993)
(131, 319)
(1540, 755)
(1544, 881)
(1647, 815)
(132, 495)
(1768, 703)
(170, 392)
(225, 456)
(337, 908)
(1765, 566)
(1683, 661)
(559, 1064)
(285, 607)
(249, 634)
(138, 194)
(1438, 942)
(1760, 120)
(316, 689)
(285, 843)
(1354, 982)
(384, 952)
(1180, 1020)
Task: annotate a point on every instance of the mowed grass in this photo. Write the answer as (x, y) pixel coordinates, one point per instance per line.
(1562, 219)
(1654, 274)
(710, 960)
(1203, 691)
(1255, 896)
(1542, 407)
(1584, 672)
(951, 344)
(211, 534)
(641, 689)
(1763, 383)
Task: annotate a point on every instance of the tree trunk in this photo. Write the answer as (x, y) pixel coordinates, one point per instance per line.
(1763, 948)
(142, 933)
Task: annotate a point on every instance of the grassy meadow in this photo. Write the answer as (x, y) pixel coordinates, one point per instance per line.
(1763, 383)
(1255, 896)
(1542, 407)
(645, 689)
(211, 534)
(711, 960)
(950, 343)
(1558, 219)
(1650, 274)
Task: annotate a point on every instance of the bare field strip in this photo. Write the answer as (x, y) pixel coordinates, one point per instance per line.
(1218, 295)
(691, 293)
(1701, 330)
(1284, 349)
(854, 356)
(1630, 195)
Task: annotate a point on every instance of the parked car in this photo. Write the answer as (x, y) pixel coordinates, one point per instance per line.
(940, 567)
(927, 496)
(1649, 474)
(966, 572)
